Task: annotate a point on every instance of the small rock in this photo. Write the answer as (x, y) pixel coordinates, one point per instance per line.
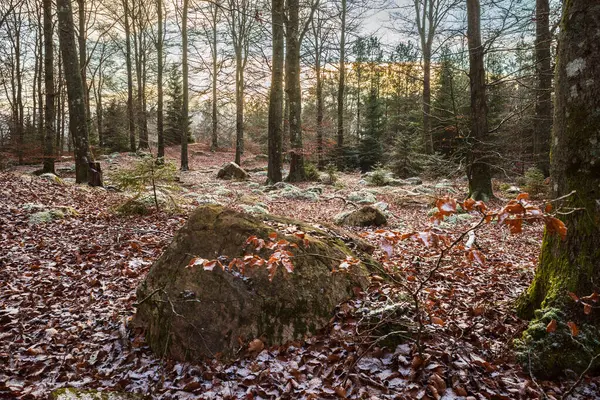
(362, 197)
(381, 206)
(50, 177)
(415, 180)
(255, 209)
(82, 394)
(513, 190)
(231, 170)
(364, 216)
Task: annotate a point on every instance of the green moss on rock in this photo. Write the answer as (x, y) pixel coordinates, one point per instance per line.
(215, 310)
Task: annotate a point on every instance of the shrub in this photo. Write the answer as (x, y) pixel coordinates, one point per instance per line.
(149, 178)
(332, 173)
(534, 182)
(312, 172)
(379, 176)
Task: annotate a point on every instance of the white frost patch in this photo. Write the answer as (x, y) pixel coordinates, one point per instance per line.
(556, 141)
(575, 67)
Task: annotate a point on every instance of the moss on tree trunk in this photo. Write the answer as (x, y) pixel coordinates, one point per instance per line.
(573, 264)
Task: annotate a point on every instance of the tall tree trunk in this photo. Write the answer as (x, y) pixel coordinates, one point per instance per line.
(185, 112)
(83, 57)
(276, 94)
(427, 139)
(77, 119)
(138, 49)
(159, 81)
(292, 87)
(130, 113)
(100, 110)
(214, 143)
(320, 158)
(49, 131)
(543, 104)
(341, 90)
(478, 169)
(239, 107)
(572, 264)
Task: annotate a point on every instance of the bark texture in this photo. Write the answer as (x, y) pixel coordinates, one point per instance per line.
(276, 94)
(543, 103)
(75, 90)
(292, 87)
(49, 121)
(186, 100)
(478, 169)
(573, 264)
(341, 89)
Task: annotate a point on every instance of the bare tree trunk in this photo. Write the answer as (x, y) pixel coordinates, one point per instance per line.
(292, 87)
(478, 169)
(341, 90)
(543, 105)
(83, 57)
(49, 131)
(571, 264)
(185, 112)
(214, 144)
(239, 107)
(276, 94)
(320, 158)
(427, 139)
(77, 120)
(159, 81)
(130, 114)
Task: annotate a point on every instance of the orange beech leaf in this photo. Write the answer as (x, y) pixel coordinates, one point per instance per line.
(468, 204)
(573, 327)
(551, 327)
(210, 265)
(196, 261)
(514, 224)
(574, 297)
(557, 226)
(273, 235)
(592, 297)
(587, 309)
(523, 196)
(411, 278)
(300, 234)
(548, 208)
(514, 208)
(446, 205)
(256, 346)
(438, 321)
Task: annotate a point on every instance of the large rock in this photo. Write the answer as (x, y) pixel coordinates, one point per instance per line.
(82, 394)
(364, 216)
(191, 313)
(231, 170)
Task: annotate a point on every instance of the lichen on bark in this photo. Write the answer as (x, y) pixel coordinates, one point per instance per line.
(572, 264)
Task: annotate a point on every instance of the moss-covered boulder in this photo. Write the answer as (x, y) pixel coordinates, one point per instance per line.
(82, 394)
(231, 170)
(192, 313)
(364, 216)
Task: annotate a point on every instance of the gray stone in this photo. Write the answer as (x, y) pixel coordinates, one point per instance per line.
(381, 206)
(362, 197)
(231, 170)
(227, 306)
(83, 394)
(415, 180)
(364, 216)
(50, 177)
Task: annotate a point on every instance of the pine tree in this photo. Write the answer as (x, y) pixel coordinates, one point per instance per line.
(370, 147)
(174, 112)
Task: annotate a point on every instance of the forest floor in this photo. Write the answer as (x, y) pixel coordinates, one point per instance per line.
(67, 293)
